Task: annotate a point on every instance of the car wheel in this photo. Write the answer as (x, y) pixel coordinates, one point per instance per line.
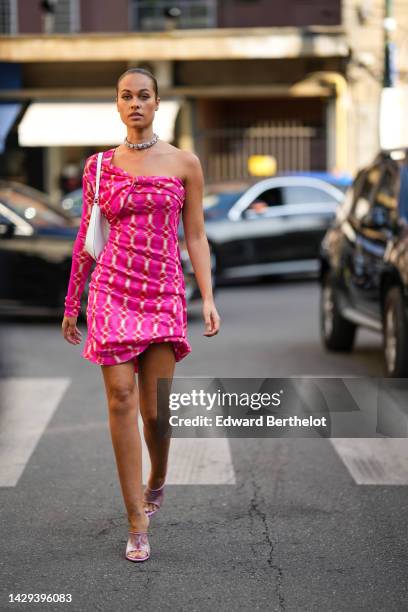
(395, 334)
(337, 332)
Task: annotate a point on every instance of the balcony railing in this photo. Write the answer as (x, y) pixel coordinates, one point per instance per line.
(153, 15)
(295, 145)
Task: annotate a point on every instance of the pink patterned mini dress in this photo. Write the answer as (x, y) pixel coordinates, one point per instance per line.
(136, 291)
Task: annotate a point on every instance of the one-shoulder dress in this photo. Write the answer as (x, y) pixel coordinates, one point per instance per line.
(136, 291)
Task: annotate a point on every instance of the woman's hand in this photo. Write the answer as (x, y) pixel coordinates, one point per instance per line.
(211, 318)
(70, 330)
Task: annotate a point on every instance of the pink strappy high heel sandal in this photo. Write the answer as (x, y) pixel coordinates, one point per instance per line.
(155, 497)
(137, 541)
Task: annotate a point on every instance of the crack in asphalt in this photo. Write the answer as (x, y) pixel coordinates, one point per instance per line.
(255, 510)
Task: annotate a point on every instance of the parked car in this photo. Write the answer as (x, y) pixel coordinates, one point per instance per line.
(364, 262)
(36, 242)
(273, 226)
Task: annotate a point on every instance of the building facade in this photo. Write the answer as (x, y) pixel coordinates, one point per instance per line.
(296, 80)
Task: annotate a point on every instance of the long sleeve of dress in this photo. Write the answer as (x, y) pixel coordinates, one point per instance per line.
(81, 259)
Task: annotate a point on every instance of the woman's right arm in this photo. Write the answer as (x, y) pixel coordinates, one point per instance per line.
(81, 259)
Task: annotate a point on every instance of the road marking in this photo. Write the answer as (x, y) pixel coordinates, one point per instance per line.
(374, 461)
(26, 407)
(28, 404)
(195, 461)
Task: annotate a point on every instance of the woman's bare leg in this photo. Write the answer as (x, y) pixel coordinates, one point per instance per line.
(157, 361)
(121, 391)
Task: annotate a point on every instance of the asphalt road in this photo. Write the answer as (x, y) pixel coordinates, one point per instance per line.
(280, 525)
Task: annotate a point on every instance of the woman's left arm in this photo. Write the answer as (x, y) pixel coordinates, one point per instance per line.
(196, 239)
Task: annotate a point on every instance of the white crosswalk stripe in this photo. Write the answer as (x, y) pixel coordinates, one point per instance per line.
(26, 407)
(374, 461)
(28, 404)
(195, 461)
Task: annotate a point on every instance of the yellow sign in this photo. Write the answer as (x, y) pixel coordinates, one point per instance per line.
(262, 165)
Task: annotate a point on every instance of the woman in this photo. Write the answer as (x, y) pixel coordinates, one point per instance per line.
(136, 313)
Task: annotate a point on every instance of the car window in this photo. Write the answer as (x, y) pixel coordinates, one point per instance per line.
(383, 212)
(369, 180)
(4, 222)
(72, 203)
(33, 211)
(403, 194)
(221, 200)
(305, 194)
(217, 204)
(266, 200)
(22, 227)
(345, 207)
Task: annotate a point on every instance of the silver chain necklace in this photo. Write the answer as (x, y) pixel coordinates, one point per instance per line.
(141, 145)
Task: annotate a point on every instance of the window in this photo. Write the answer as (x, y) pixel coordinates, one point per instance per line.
(221, 200)
(304, 194)
(271, 197)
(403, 194)
(8, 17)
(216, 205)
(344, 209)
(383, 212)
(264, 202)
(22, 227)
(364, 191)
(160, 15)
(62, 17)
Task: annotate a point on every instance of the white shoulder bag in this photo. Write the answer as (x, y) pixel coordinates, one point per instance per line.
(98, 229)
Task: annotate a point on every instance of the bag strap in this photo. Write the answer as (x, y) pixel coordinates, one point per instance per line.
(98, 176)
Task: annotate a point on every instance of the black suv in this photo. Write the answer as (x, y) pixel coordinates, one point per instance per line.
(364, 262)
